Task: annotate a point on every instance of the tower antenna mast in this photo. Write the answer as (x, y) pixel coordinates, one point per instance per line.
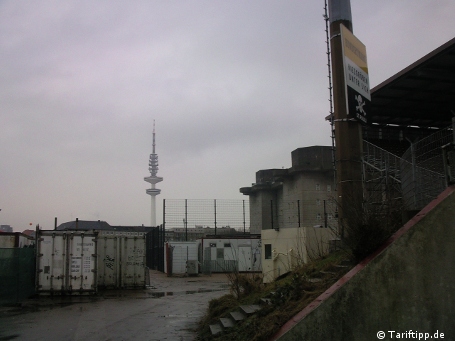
(153, 179)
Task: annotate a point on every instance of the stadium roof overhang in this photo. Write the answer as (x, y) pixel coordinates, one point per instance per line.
(421, 95)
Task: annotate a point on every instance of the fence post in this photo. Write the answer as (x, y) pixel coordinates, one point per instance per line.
(453, 126)
(298, 211)
(243, 204)
(325, 216)
(186, 220)
(214, 204)
(414, 187)
(164, 213)
(271, 212)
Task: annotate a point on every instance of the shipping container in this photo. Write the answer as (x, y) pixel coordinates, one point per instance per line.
(121, 260)
(66, 262)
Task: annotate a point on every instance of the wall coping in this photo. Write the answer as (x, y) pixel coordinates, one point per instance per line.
(359, 267)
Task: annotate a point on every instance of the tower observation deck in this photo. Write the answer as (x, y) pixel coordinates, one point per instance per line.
(153, 179)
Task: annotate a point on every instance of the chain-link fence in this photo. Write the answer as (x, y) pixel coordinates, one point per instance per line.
(412, 181)
(448, 152)
(423, 175)
(214, 215)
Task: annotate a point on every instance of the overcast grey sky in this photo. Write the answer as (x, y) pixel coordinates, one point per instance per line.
(234, 87)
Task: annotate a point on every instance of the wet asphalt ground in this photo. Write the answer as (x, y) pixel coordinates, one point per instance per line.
(169, 309)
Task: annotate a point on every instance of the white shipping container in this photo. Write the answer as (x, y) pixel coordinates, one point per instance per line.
(66, 262)
(121, 259)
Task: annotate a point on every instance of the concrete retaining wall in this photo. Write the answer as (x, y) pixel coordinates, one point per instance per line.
(407, 285)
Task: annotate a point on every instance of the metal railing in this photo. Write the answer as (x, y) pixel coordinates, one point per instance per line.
(381, 176)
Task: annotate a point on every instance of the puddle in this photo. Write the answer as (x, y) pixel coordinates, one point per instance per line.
(159, 294)
(38, 305)
(9, 337)
(44, 303)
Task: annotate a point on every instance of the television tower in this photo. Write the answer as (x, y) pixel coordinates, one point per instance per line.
(153, 179)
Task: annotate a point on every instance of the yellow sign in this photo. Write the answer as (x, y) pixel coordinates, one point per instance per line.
(356, 75)
(354, 49)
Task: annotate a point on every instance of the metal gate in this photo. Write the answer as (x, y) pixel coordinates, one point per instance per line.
(155, 249)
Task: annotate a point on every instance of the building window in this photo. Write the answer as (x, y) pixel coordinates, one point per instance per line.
(227, 244)
(329, 216)
(318, 217)
(329, 188)
(318, 202)
(318, 187)
(212, 244)
(268, 251)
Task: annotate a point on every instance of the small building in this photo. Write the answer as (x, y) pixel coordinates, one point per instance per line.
(99, 225)
(179, 256)
(286, 249)
(15, 239)
(294, 209)
(240, 253)
(6, 228)
(220, 253)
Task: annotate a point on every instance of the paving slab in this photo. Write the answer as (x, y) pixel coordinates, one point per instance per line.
(216, 329)
(250, 309)
(237, 316)
(226, 322)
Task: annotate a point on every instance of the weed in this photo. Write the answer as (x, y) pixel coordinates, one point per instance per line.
(244, 284)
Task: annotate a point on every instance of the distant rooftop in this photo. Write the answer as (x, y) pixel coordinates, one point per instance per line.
(86, 225)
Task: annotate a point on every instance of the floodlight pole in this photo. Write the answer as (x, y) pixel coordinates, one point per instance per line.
(348, 131)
